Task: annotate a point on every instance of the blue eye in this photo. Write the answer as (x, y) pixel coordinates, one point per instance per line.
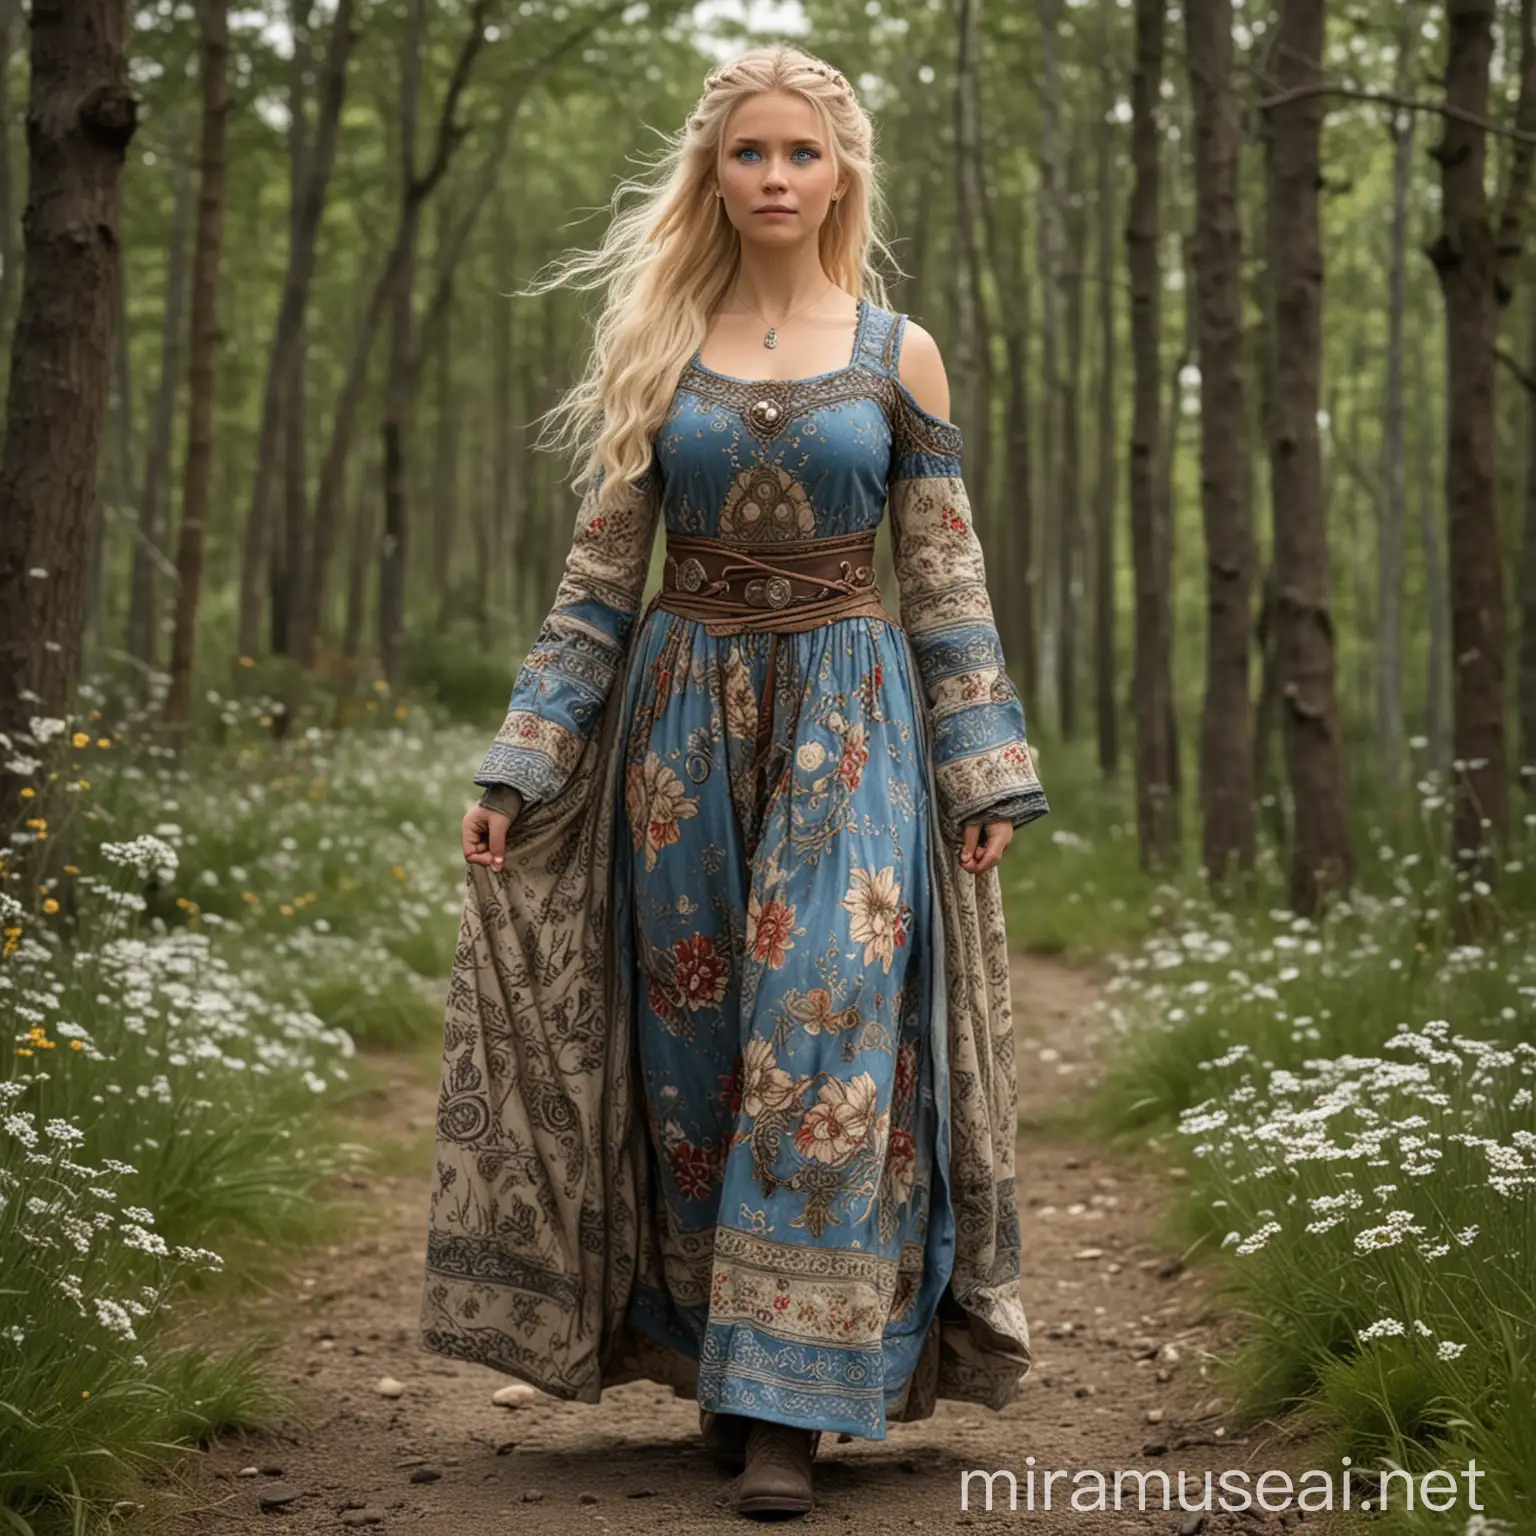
(803, 150)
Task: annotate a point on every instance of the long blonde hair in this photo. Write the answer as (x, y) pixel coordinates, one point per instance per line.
(667, 261)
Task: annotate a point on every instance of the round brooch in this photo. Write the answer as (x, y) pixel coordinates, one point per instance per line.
(690, 575)
(765, 413)
(776, 591)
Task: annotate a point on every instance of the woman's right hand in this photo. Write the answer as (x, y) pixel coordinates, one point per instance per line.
(484, 835)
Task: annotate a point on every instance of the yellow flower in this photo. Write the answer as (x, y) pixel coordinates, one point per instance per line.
(80, 739)
(286, 910)
(380, 686)
(85, 1392)
(401, 711)
(50, 906)
(103, 742)
(71, 869)
(398, 872)
(21, 1050)
(28, 794)
(38, 823)
(82, 783)
(77, 1045)
(251, 897)
(247, 661)
(266, 720)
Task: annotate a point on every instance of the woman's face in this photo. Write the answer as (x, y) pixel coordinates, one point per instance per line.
(775, 154)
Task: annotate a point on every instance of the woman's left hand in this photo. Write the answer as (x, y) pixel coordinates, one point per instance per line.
(984, 845)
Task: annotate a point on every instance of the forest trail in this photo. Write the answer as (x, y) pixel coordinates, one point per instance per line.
(1116, 1323)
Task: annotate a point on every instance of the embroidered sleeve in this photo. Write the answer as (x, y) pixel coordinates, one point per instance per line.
(562, 686)
(982, 762)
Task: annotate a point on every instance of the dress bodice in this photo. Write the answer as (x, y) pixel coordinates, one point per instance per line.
(765, 460)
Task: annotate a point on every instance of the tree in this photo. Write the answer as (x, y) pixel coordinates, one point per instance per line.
(198, 478)
(289, 326)
(1106, 711)
(1476, 268)
(1321, 860)
(81, 116)
(1226, 734)
(1157, 809)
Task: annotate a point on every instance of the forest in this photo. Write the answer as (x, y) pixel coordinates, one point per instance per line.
(1237, 301)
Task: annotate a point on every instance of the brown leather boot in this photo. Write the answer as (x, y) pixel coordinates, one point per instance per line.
(725, 1438)
(777, 1478)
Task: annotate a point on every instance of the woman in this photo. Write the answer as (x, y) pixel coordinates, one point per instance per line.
(728, 1095)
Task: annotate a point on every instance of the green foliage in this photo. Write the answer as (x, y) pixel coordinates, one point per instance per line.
(208, 936)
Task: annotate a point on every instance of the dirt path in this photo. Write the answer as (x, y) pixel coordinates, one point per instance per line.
(1118, 1381)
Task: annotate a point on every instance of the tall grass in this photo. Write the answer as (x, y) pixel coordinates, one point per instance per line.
(1351, 1097)
(191, 947)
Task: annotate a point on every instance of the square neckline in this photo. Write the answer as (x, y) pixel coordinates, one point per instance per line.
(853, 362)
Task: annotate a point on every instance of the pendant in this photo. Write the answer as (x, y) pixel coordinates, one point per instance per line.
(772, 338)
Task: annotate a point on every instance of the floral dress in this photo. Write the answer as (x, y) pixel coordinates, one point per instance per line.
(775, 915)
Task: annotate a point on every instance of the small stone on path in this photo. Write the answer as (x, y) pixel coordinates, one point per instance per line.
(532, 1496)
(425, 1475)
(518, 1395)
(389, 1387)
(278, 1495)
(586, 1498)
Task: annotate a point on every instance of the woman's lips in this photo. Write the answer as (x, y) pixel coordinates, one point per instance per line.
(775, 213)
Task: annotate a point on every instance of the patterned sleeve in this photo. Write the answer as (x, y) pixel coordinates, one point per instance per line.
(565, 681)
(982, 761)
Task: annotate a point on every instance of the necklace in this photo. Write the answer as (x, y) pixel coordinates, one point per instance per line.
(771, 340)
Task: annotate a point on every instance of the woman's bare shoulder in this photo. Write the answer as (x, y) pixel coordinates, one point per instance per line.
(920, 366)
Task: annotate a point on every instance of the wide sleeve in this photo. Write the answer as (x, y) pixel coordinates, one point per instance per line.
(562, 686)
(982, 762)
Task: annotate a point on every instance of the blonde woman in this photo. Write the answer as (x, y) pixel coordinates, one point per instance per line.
(728, 1095)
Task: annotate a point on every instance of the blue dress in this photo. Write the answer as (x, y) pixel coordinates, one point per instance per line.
(777, 929)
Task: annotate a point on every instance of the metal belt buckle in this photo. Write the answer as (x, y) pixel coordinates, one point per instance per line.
(690, 575)
(768, 592)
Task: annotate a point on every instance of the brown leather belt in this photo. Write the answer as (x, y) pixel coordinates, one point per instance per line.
(786, 588)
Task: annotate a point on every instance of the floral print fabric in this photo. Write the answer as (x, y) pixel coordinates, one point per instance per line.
(778, 930)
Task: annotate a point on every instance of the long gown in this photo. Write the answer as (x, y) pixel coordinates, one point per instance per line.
(776, 924)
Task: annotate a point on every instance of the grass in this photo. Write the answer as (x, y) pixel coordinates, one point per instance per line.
(1350, 1099)
(192, 949)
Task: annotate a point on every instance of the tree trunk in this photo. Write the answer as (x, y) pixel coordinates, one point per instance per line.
(8, 12)
(1321, 860)
(1527, 683)
(969, 343)
(1476, 274)
(1014, 539)
(445, 480)
(1107, 705)
(1390, 734)
(1226, 729)
(289, 326)
(285, 560)
(198, 477)
(397, 386)
(1156, 804)
(1437, 681)
(80, 119)
(365, 501)
(143, 632)
(1049, 261)
(1070, 510)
